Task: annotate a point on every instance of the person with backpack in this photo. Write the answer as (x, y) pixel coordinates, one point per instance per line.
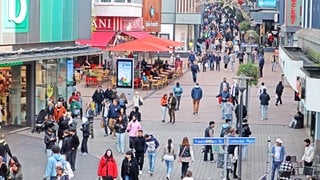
(178, 90)
(172, 101)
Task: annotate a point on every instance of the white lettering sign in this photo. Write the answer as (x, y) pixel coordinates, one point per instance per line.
(12, 6)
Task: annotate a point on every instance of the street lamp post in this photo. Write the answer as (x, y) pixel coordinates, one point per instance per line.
(242, 86)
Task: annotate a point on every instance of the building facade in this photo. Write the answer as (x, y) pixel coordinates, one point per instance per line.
(181, 21)
(37, 52)
(300, 65)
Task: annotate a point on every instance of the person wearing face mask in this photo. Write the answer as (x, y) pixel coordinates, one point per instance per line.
(107, 166)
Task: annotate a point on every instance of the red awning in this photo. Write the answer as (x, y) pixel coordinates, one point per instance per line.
(98, 39)
(137, 34)
(162, 41)
(139, 45)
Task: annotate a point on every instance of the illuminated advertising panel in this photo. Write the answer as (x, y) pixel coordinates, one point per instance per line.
(124, 73)
(267, 3)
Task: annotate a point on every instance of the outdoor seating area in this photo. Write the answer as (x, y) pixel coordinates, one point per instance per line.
(93, 75)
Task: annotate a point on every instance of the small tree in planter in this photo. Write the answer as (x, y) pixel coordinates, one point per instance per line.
(250, 70)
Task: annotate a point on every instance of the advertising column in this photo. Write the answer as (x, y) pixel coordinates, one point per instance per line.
(125, 68)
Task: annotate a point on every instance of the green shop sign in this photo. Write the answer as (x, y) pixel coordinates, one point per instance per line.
(15, 15)
(9, 64)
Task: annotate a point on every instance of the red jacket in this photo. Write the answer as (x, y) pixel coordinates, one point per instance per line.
(108, 167)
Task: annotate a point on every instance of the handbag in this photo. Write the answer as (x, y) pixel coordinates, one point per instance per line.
(102, 124)
(140, 102)
(168, 157)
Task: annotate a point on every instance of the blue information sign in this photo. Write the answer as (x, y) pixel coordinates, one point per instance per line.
(241, 140)
(208, 141)
(221, 140)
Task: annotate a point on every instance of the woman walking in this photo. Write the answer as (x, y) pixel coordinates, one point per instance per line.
(129, 167)
(185, 156)
(120, 127)
(169, 156)
(164, 107)
(107, 166)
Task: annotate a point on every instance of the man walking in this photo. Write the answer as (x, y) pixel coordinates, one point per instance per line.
(209, 131)
(279, 91)
(264, 103)
(139, 148)
(172, 101)
(151, 145)
(261, 64)
(194, 69)
(308, 155)
(97, 98)
(246, 132)
(177, 90)
(277, 154)
(196, 95)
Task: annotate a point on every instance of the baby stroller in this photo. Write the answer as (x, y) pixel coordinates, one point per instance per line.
(40, 122)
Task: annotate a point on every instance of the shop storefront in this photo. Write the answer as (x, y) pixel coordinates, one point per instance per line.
(37, 54)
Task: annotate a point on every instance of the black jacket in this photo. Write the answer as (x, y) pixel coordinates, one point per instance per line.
(97, 96)
(47, 140)
(264, 99)
(139, 144)
(108, 94)
(130, 168)
(246, 132)
(85, 129)
(279, 88)
(120, 127)
(67, 144)
(4, 148)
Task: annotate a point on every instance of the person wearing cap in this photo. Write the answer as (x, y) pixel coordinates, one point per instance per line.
(277, 155)
(129, 167)
(196, 95)
(85, 135)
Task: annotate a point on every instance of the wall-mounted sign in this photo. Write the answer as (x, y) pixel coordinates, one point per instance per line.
(293, 14)
(188, 18)
(267, 3)
(151, 13)
(103, 23)
(9, 64)
(15, 16)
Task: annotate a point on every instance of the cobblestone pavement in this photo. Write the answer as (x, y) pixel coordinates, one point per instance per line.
(193, 126)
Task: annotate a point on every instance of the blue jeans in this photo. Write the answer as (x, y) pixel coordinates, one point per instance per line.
(275, 166)
(164, 112)
(244, 151)
(194, 77)
(152, 160)
(228, 116)
(264, 110)
(49, 152)
(169, 165)
(120, 142)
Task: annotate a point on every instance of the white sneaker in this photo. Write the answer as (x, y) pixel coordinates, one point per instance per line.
(140, 172)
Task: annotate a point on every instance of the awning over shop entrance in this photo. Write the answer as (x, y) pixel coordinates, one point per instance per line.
(137, 34)
(98, 39)
(139, 45)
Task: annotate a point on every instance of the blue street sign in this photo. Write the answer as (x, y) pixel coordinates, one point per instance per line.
(208, 141)
(241, 140)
